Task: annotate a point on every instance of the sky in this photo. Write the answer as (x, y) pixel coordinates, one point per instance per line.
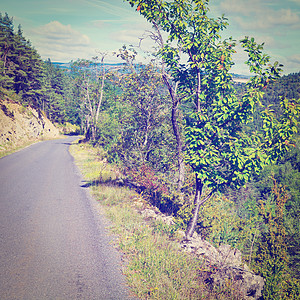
(65, 30)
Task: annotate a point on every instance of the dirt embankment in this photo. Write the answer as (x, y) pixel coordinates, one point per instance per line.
(19, 124)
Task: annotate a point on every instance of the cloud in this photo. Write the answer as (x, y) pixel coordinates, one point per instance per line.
(113, 8)
(280, 17)
(295, 1)
(240, 7)
(98, 23)
(60, 42)
(268, 41)
(287, 17)
(259, 14)
(133, 33)
(62, 34)
(103, 23)
(295, 59)
(128, 36)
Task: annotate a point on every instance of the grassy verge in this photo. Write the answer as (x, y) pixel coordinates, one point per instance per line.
(11, 148)
(155, 266)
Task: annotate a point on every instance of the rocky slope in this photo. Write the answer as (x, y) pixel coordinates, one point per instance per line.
(19, 124)
(224, 265)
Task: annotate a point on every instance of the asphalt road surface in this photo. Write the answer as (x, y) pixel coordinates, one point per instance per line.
(53, 243)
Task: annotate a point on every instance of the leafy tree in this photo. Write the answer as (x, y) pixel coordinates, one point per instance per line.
(58, 99)
(172, 86)
(135, 120)
(144, 123)
(217, 149)
(90, 78)
(36, 83)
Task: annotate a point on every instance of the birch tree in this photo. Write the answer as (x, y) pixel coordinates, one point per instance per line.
(91, 79)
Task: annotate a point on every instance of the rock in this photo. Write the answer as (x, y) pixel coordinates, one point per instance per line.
(168, 220)
(180, 235)
(156, 215)
(226, 268)
(25, 124)
(224, 263)
(245, 282)
(230, 257)
(148, 213)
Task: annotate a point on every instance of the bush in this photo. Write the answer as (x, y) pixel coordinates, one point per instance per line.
(272, 256)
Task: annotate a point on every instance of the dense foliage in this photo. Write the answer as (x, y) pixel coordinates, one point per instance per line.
(198, 61)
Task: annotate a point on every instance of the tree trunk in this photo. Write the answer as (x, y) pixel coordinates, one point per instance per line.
(101, 89)
(199, 184)
(175, 102)
(93, 132)
(197, 202)
(178, 144)
(92, 114)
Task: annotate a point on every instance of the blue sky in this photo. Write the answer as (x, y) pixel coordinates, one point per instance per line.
(64, 30)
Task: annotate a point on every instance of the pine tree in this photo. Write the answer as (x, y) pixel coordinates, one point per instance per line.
(7, 52)
(21, 68)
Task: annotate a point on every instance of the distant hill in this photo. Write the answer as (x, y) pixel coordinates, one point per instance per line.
(236, 77)
(286, 86)
(68, 65)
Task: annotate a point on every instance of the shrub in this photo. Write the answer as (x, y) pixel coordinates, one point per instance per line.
(272, 256)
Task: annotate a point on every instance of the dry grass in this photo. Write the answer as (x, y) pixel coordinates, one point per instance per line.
(10, 148)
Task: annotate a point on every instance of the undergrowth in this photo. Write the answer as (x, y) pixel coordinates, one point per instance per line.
(154, 265)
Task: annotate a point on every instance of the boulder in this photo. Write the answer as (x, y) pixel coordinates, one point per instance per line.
(225, 267)
(151, 213)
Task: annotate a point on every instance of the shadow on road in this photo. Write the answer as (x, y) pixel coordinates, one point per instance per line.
(90, 183)
(110, 182)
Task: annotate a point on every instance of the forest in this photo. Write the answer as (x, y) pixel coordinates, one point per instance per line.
(221, 157)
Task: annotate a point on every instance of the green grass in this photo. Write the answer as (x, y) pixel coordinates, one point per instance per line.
(154, 265)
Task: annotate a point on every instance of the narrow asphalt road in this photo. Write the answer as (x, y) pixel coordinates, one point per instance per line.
(53, 244)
